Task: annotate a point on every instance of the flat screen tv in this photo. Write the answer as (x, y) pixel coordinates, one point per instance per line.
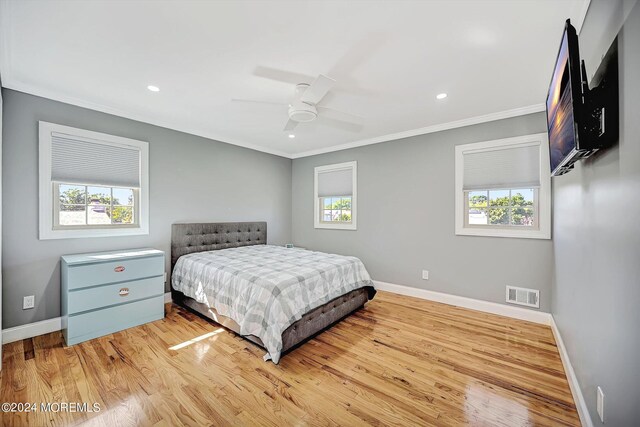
(581, 120)
(564, 105)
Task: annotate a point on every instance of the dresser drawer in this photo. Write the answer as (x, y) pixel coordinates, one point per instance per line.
(83, 275)
(106, 295)
(82, 327)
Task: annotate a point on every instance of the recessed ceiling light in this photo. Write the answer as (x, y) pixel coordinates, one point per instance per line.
(291, 136)
(441, 96)
(153, 88)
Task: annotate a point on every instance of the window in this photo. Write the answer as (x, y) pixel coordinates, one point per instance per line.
(91, 184)
(82, 205)
(335, 196)
(503, 188)
(513, 207)
(335, 209)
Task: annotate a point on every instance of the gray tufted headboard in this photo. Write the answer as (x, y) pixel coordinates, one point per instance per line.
(210, 236)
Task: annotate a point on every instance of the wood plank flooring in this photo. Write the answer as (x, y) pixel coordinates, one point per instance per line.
(399, 361)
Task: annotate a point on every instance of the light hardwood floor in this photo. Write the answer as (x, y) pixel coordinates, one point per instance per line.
(399, 361)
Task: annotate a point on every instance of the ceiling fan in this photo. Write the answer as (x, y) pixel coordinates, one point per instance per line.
(304, 108)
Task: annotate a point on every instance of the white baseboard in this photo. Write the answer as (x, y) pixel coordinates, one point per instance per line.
(31, 330)
(473, 304)
(578, 398)
(34, 329)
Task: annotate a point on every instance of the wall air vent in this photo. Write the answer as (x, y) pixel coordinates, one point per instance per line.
(523, 296)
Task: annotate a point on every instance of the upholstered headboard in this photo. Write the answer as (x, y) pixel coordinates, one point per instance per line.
(210, 236)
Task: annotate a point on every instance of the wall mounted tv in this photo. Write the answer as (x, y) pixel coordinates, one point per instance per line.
(580, 121)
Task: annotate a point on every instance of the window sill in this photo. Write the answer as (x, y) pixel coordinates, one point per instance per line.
(496, 232)
(336, 226)
(89, 233)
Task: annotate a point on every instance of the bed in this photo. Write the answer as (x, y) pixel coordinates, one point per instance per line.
(273, 296)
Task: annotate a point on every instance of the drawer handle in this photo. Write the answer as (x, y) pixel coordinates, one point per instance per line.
(119, 269)
(123, 292)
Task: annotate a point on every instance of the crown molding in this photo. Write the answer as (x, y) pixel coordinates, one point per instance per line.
(11, 83)
(522, 111)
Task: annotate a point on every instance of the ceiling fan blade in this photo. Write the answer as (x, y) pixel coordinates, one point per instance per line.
(281, 75)
(339, 124)
(253, 101)
(317, 90)
(330, 113)
(357, 55)
(291, 125)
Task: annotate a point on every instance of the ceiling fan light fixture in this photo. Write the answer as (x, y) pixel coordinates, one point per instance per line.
(302, 113)
(302, 116)
(441, 96)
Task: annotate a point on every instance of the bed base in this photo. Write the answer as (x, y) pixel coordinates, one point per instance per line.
(200, 237)
(309, 325)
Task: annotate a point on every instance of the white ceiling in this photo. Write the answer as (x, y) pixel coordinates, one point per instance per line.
(390, 60)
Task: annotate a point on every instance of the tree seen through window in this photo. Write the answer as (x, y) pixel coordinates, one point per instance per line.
(502, 207)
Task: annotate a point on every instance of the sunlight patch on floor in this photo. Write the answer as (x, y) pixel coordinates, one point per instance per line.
(479, 401)
(196, 339)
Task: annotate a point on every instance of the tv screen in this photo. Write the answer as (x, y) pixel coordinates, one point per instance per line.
(561, 101)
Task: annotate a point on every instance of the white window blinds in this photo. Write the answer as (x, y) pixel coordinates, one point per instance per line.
(86, 161)
(516, 166)
(335, 183)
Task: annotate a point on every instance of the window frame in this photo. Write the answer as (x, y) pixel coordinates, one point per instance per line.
(542, 197)
(317, 210)
(48, 189)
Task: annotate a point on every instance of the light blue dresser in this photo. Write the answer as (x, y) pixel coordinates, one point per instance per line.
(106, 292)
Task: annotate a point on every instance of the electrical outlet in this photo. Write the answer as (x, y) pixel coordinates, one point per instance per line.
(600, 403)
(28, 302)
(425, 274)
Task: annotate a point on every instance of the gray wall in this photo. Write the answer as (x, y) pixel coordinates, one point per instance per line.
(191, 179)
(406, 217)
(1, 108)
(596, 291)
